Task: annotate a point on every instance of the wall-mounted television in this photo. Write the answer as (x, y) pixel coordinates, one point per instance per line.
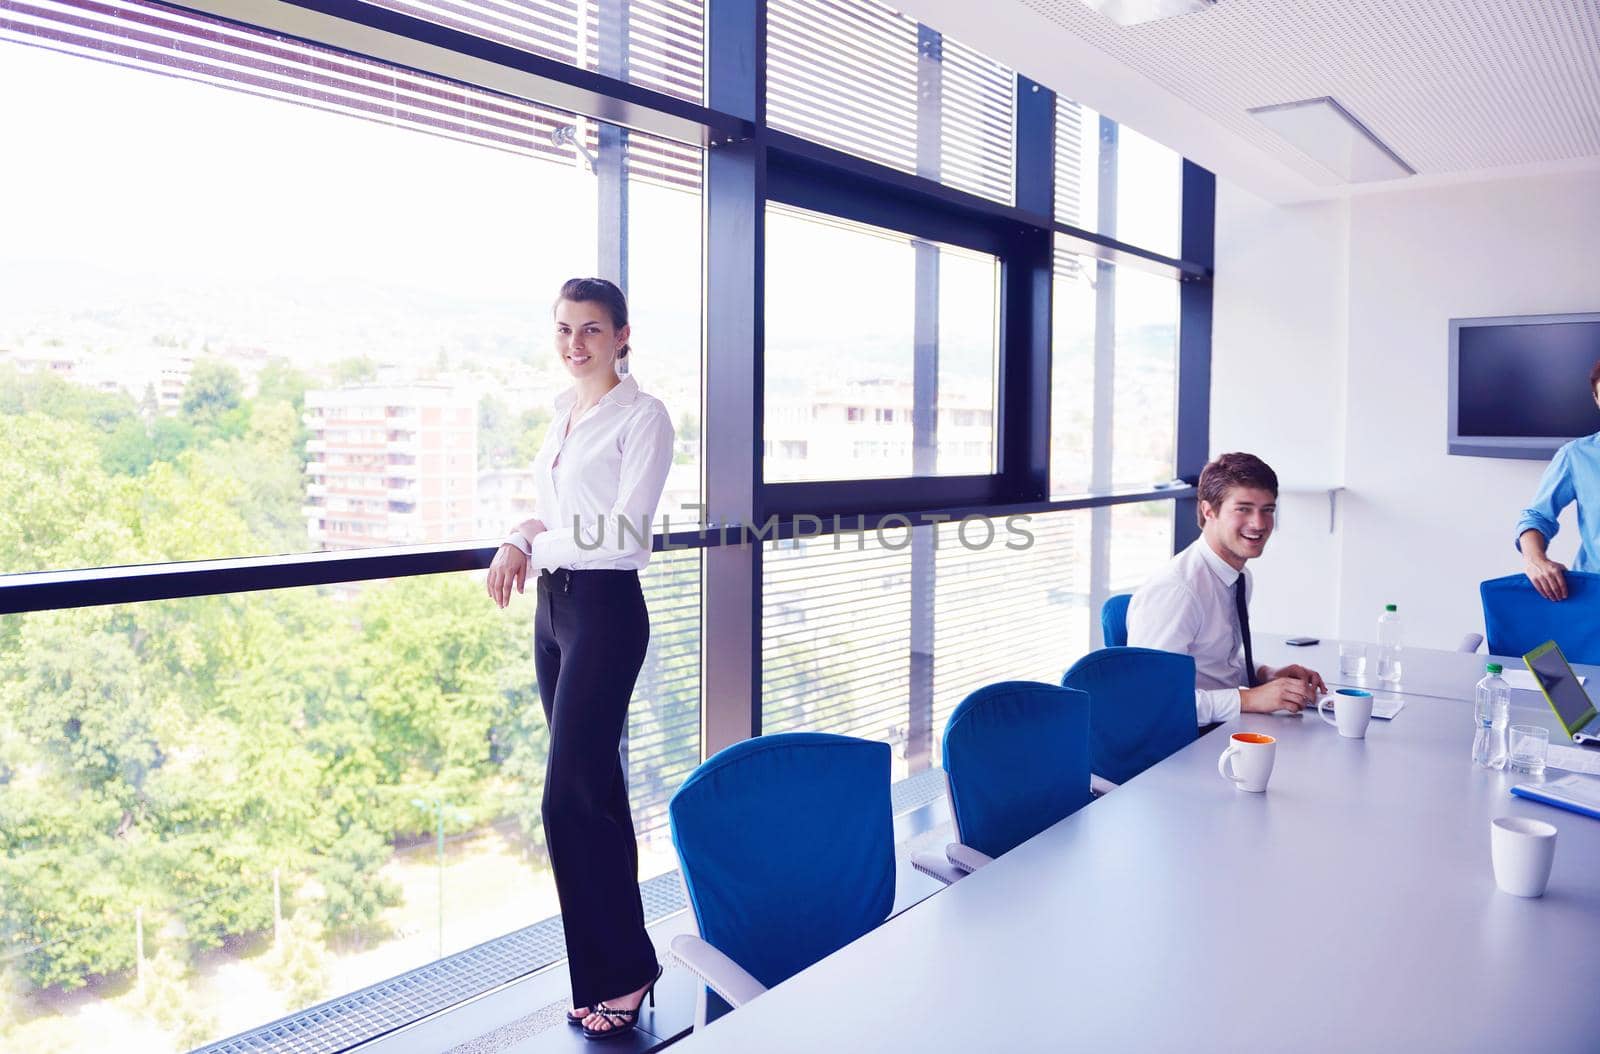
(1519, 385)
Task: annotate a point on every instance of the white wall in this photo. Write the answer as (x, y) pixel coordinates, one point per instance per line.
(1278, 387)
(1417, 527)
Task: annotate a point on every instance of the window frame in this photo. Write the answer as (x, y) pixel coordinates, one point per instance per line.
(747, 165)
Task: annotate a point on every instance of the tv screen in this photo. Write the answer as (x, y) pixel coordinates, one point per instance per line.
(1520, 386)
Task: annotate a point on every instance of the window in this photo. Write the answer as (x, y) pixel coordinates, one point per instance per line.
(1140, 542)
(1115, 327)
(312, 741)
(1072, 376)
(859, 77)
(1149, 194)
(1079, 156)
(1102, 163)
(843, 349)
(656, 44)
(1013, 609)
(200, 379)
(324, 324)
(224, 363)
(836, 636)
(1145, 413)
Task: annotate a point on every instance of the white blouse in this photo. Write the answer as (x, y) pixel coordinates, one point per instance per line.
(597, 485)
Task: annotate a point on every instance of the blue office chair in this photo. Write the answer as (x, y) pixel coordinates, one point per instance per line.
(786, 844)
(1114, 620)
(1141, 708)
(1017, 758)
(1518, 620)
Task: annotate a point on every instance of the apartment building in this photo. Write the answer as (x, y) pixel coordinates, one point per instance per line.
(390, 465)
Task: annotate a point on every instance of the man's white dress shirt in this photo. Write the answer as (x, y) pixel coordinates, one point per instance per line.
(597, 485)
(1188, 607)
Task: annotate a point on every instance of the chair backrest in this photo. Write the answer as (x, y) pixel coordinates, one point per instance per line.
(1141, 707)
(1517, 619)
(787, 848)
(1114, 620)
(1017, 755)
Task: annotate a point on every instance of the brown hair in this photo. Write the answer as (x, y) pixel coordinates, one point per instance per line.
(1229, 471)
(1594, 377)
(598, 291)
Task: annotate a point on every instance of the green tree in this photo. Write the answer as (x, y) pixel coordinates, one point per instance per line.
(170, 437)
(298, 963)
(354, 894)
(54, 496)
(169, 1001)
(356, 370)
(62, 400)
(128, 450)
(67, 910)
(279, 381)
(688, 436)
(213, 394)
(508, 439)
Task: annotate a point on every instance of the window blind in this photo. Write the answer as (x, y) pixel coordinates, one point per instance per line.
(844, 73)
(175, 43)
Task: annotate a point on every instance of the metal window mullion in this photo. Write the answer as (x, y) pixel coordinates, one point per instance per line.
(1198, 220)
(1027, 298)
(1105, 358)
(925, 407)
(735, 273)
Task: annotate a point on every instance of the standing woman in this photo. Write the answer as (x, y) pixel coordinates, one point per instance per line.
(604, 460)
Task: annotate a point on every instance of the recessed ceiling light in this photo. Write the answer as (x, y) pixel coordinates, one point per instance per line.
(1327, 133)
(1132, 12)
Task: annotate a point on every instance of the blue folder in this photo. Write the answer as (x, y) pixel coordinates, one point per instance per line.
(1579, 794)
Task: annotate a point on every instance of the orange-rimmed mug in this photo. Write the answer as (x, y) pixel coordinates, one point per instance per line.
(1248, 760)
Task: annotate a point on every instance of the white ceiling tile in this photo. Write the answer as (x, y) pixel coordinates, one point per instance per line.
(1449, 85)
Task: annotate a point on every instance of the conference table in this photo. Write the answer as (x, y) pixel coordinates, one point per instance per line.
(1349, 907)
(1423, 671)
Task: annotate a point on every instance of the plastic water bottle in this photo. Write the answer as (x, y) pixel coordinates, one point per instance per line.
(1389, 644)
(1492, 714)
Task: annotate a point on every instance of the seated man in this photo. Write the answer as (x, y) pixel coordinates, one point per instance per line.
(1572, 476)
(1197, 603)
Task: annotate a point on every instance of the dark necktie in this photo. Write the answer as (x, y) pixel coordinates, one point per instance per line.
(1244, 629)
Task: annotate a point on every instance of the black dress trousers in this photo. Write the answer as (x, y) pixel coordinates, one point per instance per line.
(589, 640)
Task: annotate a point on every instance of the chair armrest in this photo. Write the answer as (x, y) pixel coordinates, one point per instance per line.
(1470, 642)
(935, 865)
(965, 857)
(1099, 785)
(720, 973)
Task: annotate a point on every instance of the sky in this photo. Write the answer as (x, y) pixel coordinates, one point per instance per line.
(164, 178)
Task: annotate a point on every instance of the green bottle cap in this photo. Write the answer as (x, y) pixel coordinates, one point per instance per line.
(1493, 667)
(1390, 607)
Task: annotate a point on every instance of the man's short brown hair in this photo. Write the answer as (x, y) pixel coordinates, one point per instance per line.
(1235, 470)
(1594, 377)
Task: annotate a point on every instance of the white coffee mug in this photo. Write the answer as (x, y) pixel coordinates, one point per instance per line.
(1248, 760)
(1522, 851)
(1352, 713)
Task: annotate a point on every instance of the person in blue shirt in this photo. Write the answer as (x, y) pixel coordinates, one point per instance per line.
(1573, 476)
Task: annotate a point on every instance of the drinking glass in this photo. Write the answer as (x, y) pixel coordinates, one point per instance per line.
(1352, 660)
(1529, 745)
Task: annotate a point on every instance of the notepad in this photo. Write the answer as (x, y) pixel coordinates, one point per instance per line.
(1580, 794)
(1573, 759)
(1523, 679)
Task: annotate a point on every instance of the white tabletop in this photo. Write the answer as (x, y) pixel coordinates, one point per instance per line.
(1350, 907)
(1423, 671)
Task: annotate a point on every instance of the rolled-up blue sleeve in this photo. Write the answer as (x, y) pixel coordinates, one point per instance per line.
(1556, 492)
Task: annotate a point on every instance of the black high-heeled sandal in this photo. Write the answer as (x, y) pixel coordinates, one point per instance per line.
(576, 1019)
(621, 1021)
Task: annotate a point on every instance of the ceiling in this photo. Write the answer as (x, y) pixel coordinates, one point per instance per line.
(1459, 89)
